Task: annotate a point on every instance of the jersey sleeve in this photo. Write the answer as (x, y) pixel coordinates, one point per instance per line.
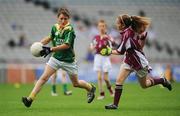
(110, 41)
(142, 40)
(93, 42)
(124, 45)
(143, 36)
(69, 36)
(122, 48)
(52, 33)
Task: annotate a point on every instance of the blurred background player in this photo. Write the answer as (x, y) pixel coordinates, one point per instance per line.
(63, 81)
(133, 40)
(169, 73)
(62, 35)
(102, 64)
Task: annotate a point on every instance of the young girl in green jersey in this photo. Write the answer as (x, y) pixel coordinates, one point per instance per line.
(62, 35)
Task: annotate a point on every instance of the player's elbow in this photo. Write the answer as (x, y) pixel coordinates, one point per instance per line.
(116, 52)
(144, 85)
(66, 46)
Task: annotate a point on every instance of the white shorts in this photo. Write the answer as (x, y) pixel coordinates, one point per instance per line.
(102, 63)
(126, 66)
(140, 73)
(70, 68)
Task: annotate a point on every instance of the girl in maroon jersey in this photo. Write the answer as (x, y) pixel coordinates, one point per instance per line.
(133, 39)
(102, 64)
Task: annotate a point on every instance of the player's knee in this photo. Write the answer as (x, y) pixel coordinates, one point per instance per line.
(44, 79)
(120, 81)
(144, 86)
(75, 84)
(99, 78)
(146, 83)
(106, 80)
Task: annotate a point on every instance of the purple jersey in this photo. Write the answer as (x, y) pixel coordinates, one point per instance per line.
(101, 42)
(132, 49)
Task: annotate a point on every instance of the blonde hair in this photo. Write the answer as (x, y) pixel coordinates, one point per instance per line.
(102, 21)
(139, 22)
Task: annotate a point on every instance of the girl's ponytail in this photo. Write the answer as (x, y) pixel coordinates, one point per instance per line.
(139, 24)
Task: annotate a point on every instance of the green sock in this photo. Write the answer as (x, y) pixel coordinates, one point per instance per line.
(65, 87)
(54, 88)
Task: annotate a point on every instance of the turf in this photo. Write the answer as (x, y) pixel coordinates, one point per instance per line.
(135, 102)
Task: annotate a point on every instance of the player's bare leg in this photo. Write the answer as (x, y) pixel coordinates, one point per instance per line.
(150, 81)
(123, 74)
(100, 86)
(53, 83)
(64, 83)
(42, 80)
(83, 84)
(108, 84)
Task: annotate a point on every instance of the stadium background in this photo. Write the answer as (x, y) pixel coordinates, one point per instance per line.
(23, 22)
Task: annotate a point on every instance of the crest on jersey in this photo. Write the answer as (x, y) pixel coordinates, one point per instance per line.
(57, 33)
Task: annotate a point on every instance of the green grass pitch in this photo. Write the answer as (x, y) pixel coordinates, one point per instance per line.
(135, 101)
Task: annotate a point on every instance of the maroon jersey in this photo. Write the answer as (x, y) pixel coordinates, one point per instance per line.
(101, 42)
(132, 49)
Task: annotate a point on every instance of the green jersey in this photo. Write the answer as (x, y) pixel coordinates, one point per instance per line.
(63, 36)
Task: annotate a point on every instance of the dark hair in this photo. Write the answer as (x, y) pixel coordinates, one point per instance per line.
(63, 11)
(126, 20)
(136, 22)
(139, 22)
